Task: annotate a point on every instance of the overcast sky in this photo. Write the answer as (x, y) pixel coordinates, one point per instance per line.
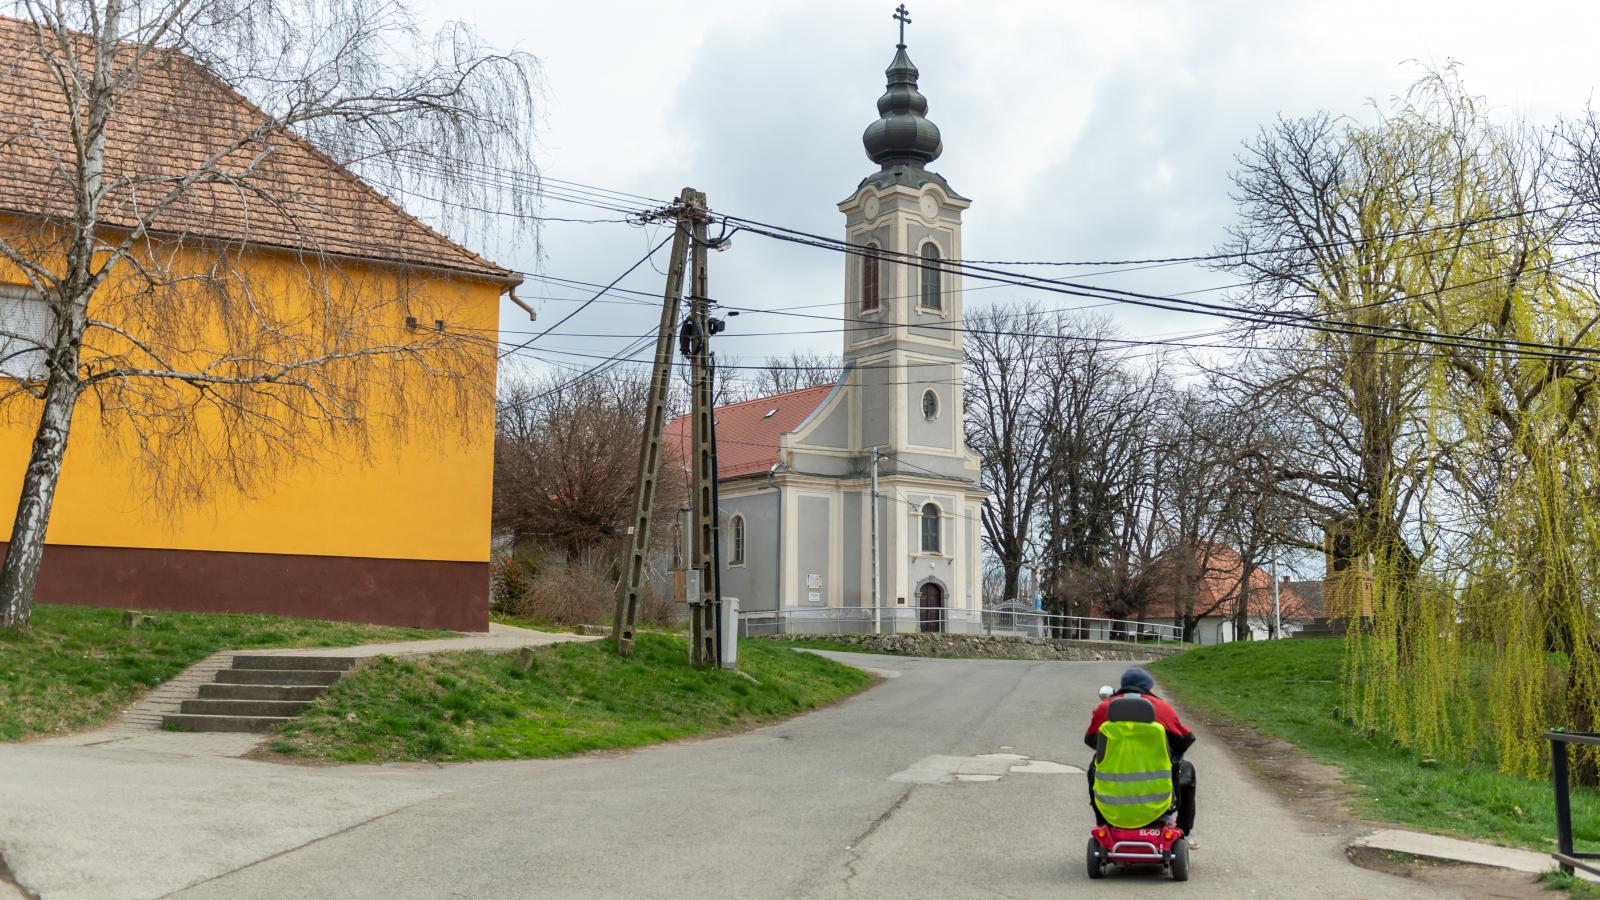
(1079, 130)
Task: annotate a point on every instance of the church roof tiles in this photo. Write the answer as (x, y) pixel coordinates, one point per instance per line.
(748, 433)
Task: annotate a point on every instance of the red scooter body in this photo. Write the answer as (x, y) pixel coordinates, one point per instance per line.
(1158, 844)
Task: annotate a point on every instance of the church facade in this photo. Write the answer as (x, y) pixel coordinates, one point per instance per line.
(796, 469)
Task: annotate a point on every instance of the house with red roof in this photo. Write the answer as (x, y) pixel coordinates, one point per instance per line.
(1205, 584)
(855, 506)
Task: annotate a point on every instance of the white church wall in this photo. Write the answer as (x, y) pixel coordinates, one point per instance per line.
(812, 564)
(877, 416)
(852, 535)
(833, 428)
(755, 581)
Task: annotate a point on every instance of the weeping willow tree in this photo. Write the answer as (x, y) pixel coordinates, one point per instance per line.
(1443, 254)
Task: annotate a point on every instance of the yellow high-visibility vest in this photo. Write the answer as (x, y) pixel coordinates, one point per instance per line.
(1133, 780)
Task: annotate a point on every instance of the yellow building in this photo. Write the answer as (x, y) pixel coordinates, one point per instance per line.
(387, 522)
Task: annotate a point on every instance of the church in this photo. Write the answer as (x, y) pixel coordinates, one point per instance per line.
(798, 472)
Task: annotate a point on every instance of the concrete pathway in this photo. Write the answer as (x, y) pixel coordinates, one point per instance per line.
(139, 727)
(498, 638)
(959, 778)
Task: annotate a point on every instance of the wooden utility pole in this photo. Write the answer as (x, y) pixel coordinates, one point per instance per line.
(703, 611)
(690, 215)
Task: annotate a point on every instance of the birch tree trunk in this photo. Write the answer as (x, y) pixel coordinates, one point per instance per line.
(26, 550)
(70, 306)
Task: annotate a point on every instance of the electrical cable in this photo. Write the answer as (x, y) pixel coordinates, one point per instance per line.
(507, 177)
(1173, 304)
(585, 305)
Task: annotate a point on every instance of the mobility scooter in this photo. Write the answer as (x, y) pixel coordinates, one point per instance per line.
(1135, 794)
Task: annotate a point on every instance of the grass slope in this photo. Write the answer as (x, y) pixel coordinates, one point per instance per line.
(1288, 689)
(576, 697)
(79, 666)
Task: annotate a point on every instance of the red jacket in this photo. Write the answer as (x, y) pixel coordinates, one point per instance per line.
(1179, 737)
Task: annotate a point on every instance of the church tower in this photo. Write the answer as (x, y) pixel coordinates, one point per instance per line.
(903, 306)
(814, 541)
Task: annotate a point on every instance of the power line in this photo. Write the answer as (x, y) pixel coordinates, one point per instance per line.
(1165, 302)
(585, 304)
(1556, 351)
(1136, 297)
(511, 178)
(1277, 318)
(1173, 304)
(598, 369)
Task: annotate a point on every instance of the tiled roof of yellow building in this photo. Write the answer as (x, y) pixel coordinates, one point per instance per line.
(278, 192)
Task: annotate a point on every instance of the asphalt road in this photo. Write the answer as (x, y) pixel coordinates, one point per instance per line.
(897, 793)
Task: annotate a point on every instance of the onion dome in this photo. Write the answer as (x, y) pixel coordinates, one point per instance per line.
(902, 136)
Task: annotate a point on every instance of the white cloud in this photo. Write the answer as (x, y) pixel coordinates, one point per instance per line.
(1080, 130)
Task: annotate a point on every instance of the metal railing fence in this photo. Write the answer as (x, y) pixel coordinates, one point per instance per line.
(954, 620)
(1566, 855)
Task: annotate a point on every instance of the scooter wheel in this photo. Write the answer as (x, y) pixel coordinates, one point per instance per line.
(1180, 860)
(1097, 869)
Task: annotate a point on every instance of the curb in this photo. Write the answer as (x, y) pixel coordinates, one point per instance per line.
(1447, 849)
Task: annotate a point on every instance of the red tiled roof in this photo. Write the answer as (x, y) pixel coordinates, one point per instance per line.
(280, 191)
(1219, 582)
(748, 432)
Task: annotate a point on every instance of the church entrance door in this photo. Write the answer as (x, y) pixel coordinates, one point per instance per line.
(931, 599)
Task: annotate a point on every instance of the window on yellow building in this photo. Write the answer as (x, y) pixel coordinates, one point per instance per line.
(25, 327)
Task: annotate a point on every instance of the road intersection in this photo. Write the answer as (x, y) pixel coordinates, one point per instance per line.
(954, 778)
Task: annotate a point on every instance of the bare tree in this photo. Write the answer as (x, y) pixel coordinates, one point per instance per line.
(1008, 385)
(1218, 514)
(799, 370)
(1196, 509)
(147, 186)
(1101, 488)
(566, 452)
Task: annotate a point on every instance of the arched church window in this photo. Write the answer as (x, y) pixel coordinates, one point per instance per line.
(737, 527)
(871, 273)
(932, 292)
(930, 405)
(930, 528)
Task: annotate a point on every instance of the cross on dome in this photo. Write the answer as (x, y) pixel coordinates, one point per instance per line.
(902, 135)
(903, 16)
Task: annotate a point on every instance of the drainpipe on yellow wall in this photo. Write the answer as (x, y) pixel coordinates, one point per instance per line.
(511, 292)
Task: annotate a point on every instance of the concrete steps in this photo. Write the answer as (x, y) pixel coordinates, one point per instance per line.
(286, 709)
(295, 663)
(278, 676)
(259, 693)
(218, 691)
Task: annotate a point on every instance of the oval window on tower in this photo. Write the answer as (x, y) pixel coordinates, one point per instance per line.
(930, 405)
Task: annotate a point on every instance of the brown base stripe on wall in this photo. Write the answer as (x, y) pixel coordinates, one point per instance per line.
(415, 592)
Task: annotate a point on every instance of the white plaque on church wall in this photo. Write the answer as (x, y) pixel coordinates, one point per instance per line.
(813, 581)
(814, 597)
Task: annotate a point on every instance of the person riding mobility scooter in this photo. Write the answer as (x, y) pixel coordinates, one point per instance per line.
(1143, 800)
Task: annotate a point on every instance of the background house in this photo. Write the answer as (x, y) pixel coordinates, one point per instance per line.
(1206, 582)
